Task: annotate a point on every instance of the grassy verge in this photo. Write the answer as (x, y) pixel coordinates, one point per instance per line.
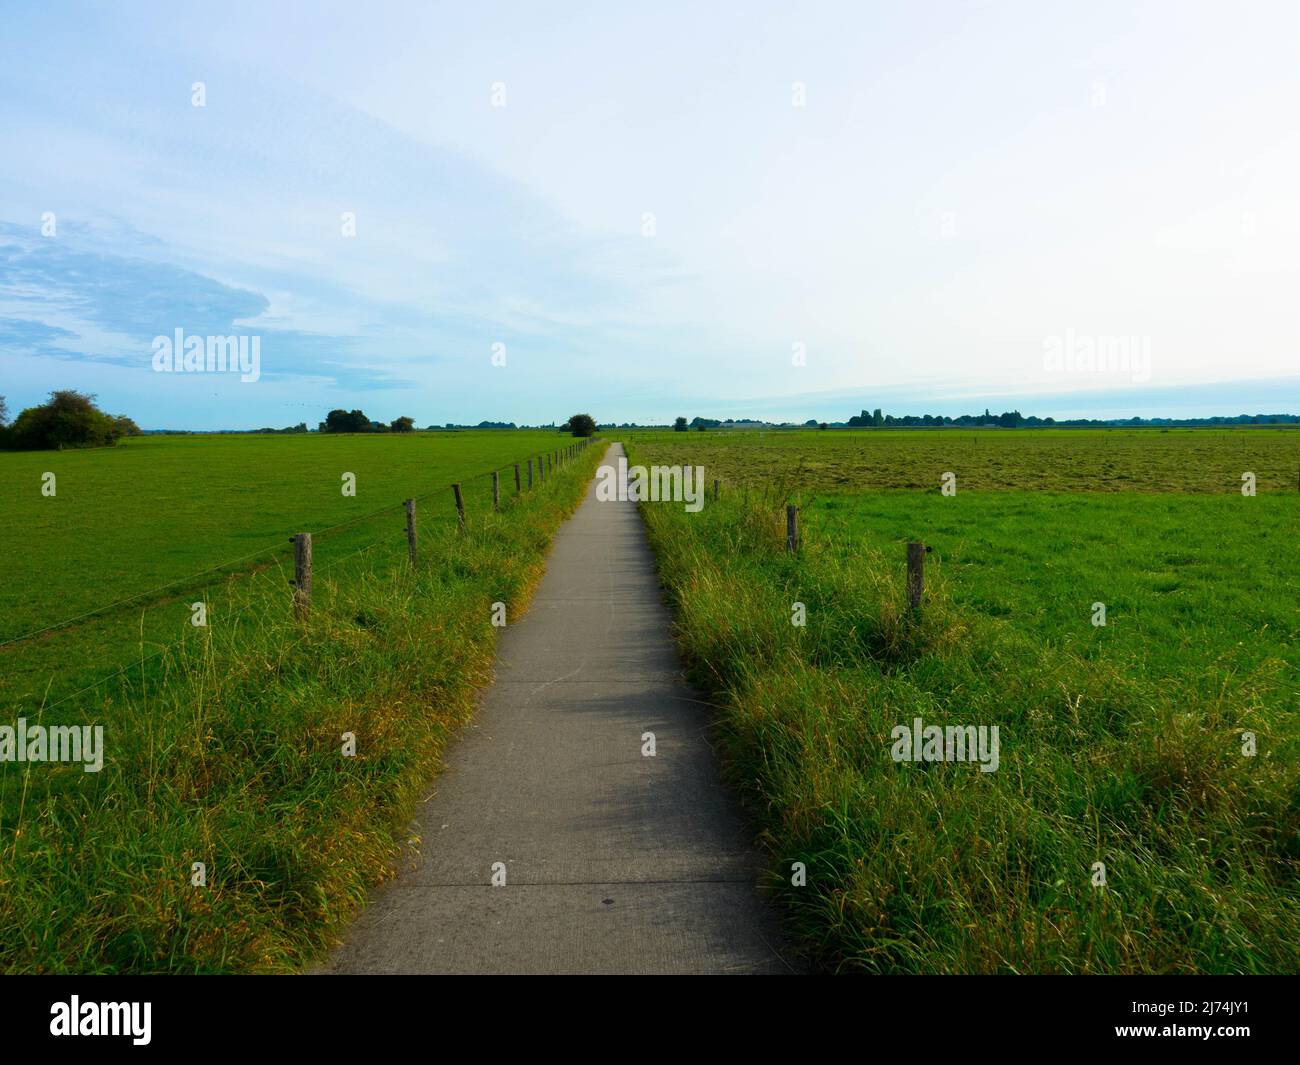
(1111, 752)
(228, 750)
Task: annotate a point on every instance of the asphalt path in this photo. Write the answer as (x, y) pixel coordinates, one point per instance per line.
(605, 859)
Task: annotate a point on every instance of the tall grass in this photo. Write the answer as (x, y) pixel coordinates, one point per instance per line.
(937, 867)
(227, 750)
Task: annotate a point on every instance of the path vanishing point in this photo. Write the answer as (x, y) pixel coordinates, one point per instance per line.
(615, 862)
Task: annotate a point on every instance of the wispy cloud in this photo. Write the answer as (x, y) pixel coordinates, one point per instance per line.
(907, 236)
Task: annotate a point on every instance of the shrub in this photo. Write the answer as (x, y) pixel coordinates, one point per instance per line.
(581, 425)
(69, 419)
(342, 421)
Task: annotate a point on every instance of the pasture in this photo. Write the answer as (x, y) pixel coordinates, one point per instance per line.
(1124, 744)
(259, 771)
(170, 519)
(1076, 460)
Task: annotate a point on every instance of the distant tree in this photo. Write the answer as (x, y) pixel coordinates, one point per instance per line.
(878, 418)
(679, 426)
(403, 424)
(4, 413)
(127, 426)
(580, 425)
(342, 421)
(811, 423)
(69, 419)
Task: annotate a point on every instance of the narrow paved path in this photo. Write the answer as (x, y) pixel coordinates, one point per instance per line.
(615, 862)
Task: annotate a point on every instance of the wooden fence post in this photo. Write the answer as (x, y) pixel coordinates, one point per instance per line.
(410, 529)
(530, 475)
(460, 506)
(301, 575)
(915, 573)
(791, 528)
(715, 490)
(516, 478)
(496, 491)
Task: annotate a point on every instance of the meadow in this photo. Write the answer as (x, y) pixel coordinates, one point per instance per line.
(1082, 460)
(158, 522)
(225, 744)
(1123, 744)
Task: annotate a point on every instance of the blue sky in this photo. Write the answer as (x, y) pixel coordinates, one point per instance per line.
(914, 197)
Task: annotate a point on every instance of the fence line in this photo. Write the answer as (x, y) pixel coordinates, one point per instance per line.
(249, 605)
(188, 578)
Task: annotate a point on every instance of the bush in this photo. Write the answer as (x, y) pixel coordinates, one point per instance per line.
(69, 419)
(581, 425)
(342, 421)
(127, 425)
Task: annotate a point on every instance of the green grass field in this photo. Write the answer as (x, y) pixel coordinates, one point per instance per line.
(224, 744)
(156, 510)
(1085, 460)
(1120, 744)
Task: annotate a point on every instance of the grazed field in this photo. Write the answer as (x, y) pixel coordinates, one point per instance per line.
(1085, 460)
(226, 747)
(1120, 744)
(135, 518)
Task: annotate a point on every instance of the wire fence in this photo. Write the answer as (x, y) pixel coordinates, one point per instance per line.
(533, 472)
